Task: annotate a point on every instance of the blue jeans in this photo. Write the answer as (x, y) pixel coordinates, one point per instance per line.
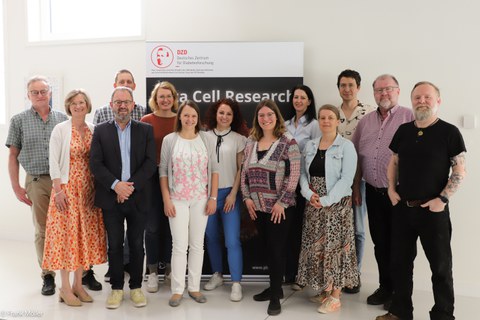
(359, 213)
(231, 231)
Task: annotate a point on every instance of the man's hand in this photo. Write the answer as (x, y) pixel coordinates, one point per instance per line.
(124, 190)
(434, 205)
(394, 196)
(21, 194)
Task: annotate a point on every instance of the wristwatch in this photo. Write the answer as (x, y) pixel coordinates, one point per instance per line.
(444, 199)
(213, 198)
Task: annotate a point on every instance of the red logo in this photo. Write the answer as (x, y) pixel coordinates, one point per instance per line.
(162, 56)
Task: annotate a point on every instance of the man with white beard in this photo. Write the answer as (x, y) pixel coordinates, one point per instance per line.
(371, 139)
(425, 170)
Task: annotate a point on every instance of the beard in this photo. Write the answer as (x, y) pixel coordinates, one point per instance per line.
(122, 118)
(423, 113)
(385, 104)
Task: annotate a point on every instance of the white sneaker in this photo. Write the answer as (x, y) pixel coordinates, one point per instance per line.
(152, 283)
(215, 281)
(236, 294)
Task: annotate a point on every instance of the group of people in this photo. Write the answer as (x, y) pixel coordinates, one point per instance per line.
(307, 183)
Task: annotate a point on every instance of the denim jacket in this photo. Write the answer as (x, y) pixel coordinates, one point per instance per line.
(340, 166)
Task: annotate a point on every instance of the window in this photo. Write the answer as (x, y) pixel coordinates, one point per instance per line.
(61, 20)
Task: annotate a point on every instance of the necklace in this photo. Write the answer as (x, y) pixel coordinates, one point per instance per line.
(219, 142)
(420, 130)
(322, 153)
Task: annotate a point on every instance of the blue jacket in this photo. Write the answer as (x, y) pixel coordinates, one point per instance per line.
(340, 166)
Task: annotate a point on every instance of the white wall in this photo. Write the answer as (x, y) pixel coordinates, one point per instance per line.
(414, 40)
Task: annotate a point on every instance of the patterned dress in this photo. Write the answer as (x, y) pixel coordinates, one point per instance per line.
(76, 237)
(327, 258)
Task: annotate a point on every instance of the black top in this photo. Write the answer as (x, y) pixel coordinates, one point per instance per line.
(424, 159)
(317, 167)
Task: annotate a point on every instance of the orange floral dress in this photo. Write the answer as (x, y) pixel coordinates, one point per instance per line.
(75, 237)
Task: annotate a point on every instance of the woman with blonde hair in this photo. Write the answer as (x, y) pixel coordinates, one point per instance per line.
(75, 233)
(158, 239)
(328, 260)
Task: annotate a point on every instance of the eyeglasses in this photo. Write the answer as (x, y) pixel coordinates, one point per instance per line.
(43, 92)
(386, 89)
(169, 97)
(118, 103)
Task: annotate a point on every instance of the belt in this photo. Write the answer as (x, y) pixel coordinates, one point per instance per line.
(415, 203)
(382, 191)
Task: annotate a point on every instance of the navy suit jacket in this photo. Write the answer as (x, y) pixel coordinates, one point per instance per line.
(106, 163)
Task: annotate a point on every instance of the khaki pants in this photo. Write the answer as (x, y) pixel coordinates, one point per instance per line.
(39, 189)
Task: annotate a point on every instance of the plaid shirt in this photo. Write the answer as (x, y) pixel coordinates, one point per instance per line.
(31, 135)
(105, 113)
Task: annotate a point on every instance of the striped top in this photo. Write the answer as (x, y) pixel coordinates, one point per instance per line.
(274, 178)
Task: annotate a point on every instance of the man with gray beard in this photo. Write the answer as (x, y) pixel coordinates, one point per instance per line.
(420, 185)
(371, 139)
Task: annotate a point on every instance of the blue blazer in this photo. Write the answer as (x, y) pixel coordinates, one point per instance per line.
(106, 163)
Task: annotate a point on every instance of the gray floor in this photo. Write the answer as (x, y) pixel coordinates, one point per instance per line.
(20, 298)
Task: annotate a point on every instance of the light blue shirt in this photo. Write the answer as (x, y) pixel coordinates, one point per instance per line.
(304, 131)
(340, 166)
(125, 143)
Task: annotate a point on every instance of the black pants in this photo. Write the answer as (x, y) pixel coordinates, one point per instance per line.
(158, 238)
(274, 236)
(434, 230)
(114, 223)
(379, 210)
(294, 241)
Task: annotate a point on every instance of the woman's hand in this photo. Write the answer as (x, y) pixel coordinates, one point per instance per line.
(315, 201)
(251, 209)
(211, 206)
(169, 209)
(61, 200)
(278, 213)
(229, 202)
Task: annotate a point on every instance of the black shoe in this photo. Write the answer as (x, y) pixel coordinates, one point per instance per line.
(48, 287)
(274, 307)
(89, 280)
(387, 305)
(265, 295)
(353, 290)
(107, 276)
(380, 296)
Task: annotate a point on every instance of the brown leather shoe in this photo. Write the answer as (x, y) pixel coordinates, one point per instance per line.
(388, 316)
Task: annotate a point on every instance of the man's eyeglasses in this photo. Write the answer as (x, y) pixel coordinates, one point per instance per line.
(386, 89)
(118, 103)
(43, 92)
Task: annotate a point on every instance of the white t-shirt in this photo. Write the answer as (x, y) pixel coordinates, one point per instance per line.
(232, 144)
